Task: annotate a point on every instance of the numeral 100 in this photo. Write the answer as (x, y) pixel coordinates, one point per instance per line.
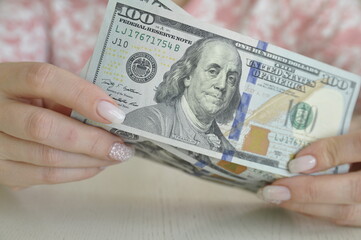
(335, 82)
(136, 15)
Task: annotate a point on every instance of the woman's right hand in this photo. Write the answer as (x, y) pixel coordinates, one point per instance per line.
(39, 142)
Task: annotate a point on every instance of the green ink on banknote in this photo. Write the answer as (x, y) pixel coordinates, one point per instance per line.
(301, 116)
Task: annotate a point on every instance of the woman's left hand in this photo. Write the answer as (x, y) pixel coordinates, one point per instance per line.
(336, 198)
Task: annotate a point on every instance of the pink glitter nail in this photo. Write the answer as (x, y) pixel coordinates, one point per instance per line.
(121, 152)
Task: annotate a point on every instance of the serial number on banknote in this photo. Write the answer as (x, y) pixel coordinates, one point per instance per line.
(144, 37)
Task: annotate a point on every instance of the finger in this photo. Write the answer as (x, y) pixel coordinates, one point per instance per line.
(18, 174)
(53, 129)
(41, 155)
(328, 189)
(347, 215)
(327, 153)
(39, 80)
(49, 104)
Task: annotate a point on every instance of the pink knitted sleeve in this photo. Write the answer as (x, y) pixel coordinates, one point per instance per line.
(61, 32)
(23, 31)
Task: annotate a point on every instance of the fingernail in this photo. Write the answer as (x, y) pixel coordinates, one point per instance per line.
(121, 152)
(274, 194)
(110, 112)
(302, 164)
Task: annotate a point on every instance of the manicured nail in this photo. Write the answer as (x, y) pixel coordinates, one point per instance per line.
(121, 152)
(302, 164)
(274, 194)
(110, 112)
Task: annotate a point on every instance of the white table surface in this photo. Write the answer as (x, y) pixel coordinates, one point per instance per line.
(141, 199)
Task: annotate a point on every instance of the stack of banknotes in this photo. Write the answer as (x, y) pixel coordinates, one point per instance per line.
(211, 102)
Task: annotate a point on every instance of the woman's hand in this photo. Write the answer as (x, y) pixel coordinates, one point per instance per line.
(39, 142)
(336, 198)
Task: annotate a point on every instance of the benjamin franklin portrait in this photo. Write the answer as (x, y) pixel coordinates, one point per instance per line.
(199, 92)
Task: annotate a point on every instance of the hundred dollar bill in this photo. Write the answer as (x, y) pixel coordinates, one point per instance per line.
(195, 164)
(190, 162)
(214, 92)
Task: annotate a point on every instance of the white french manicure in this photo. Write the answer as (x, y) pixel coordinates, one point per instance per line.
(302, 164)
(110, 112)
(274, 194)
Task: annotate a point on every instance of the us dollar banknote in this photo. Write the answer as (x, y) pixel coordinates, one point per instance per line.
(203, 90)
(192, 163)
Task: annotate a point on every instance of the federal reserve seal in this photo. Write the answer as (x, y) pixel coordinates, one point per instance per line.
(141, 67)
(301, 116)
